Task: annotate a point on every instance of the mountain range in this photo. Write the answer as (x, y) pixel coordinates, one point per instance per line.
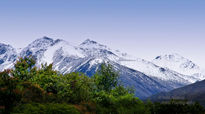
(162, 74)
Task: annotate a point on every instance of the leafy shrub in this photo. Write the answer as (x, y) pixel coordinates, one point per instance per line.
(10, 93)
(106, 78)
(107, 103)
(24, 68)
(47, 78)
(32, 92)
(75, 88)
(36, 108)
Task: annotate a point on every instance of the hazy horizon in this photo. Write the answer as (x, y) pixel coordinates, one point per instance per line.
(144, 29)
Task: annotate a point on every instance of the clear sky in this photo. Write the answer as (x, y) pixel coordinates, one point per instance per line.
(143, 28)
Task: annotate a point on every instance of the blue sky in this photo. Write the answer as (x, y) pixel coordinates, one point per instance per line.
(144, 28)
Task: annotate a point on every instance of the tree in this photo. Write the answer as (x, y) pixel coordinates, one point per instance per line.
(106, 78)
(10, 94)
(24, 68)
(47, 78)
(75, 87)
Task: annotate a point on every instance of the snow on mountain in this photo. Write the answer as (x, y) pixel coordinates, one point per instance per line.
(66, 48)
(181, 65)
(155, 71)
(62, 54)
(37, 48)
(146, 77)
(92, 48)
(172, 78)
(8, 55)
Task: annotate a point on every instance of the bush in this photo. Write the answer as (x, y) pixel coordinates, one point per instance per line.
(47, 78)
(106, 78)
(36, 108)
(75, 88)
(24, 68)
(10, 93)
(32, 92)
(124, 104)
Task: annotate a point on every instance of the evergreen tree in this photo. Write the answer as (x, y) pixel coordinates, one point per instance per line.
(47, 78)
(106, 78)
(24, 68)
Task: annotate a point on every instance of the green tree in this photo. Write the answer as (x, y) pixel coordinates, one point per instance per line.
(120, 90)
(76, 87)
(24, 68)
(47, 78)
(10, 94)
(106, 78)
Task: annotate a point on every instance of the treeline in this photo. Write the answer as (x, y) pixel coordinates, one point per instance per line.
(27, 89)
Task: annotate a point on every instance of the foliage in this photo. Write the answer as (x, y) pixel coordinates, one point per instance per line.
(126, 103)
(106, 78)
(76, 87)
(10, 94)
(120, 90)
(50, 108)
(47, 78)
(129, 104)
(24, 68)
(32, 92)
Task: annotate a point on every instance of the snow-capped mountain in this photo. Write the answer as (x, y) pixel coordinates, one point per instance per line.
(8, 55)
(181, 65)
(93, 48)
(155, 71)
(146, 77)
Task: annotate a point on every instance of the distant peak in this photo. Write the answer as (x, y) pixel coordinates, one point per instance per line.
(92, 44)
(41, 42)
(47, 38)
(88, 41)
(44, 39)
(169, 56)
(59, 40)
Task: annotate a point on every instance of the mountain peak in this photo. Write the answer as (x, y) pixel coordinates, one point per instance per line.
(34, 47)
(47, 38)
(88, 41)
(92, 44)
(42, 41)
(171, 56)
(177, 63)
